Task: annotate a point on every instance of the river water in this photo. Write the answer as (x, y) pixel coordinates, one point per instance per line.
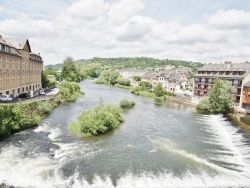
(158, 145)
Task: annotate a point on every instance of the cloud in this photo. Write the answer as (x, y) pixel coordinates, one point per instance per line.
(1, 9)
(92, 28)
(89, 10)
(134, 29)
(26, 27)
(124, 9)
(230, 19)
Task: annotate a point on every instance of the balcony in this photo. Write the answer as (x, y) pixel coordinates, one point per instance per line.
(237, 93)
(236, 85)
(237, 101)
(200, 88)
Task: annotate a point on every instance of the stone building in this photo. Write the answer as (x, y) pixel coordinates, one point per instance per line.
(130, 73)
(238, 74)
(20, 68)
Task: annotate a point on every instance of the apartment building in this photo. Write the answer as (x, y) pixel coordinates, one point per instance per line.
(238, 74)
(130, 73)
(20, 68)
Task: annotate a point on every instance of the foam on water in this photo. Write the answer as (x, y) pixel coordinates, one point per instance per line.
(171, 148)
(42, 170)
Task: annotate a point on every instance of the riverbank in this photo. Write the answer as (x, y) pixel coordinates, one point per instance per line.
(183, 100)
(15, 117)
(20, 116)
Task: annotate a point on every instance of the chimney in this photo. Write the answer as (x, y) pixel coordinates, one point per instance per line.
(228, 64)
(1, 36)
(39, 53)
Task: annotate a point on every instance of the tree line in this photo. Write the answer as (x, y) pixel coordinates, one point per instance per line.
(91, 68)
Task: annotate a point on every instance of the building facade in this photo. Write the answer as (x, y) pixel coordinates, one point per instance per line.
(130, 73)
(238, 74)
(20, 68)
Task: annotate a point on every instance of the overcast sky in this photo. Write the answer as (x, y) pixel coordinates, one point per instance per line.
(196, 30)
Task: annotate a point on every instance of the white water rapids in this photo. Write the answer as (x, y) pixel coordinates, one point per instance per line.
(151, 149)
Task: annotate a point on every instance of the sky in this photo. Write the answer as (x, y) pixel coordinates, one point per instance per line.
(194, 30)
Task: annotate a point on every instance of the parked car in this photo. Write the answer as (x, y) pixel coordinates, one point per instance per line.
(22, 95)
(5, 98)
(41, 92)
(36, 93)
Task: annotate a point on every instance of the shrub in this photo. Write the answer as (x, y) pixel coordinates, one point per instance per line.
(168, 93)
(127, 104)
(123, 81)
(159, 91)
(45, 107)
(68, 91)
(14, 117)
(204, 104)
(108, 77)
(98, 120)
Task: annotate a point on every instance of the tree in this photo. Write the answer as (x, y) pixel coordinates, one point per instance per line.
(137, 78)
(113, 77)
(204, 104)
(69, 71)
(220, 96)
(45, 80)
(108, 77)
(123, 81)
(219, 99)
(158, 90)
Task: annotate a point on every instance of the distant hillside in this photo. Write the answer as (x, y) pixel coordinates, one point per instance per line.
(126, 62)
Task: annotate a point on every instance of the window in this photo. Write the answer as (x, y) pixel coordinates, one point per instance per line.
(7, 48)
(1, 64)
(7, 65)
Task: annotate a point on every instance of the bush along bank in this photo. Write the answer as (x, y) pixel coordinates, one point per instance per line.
(126, 104)
(157, 93)
(99, 120)
(19, 116)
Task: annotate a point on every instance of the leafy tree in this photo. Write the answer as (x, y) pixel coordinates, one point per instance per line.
(89, 72)
(137, 78)
(145, 84)
(220, 96)
(108, 77)
(158, 90)
(123, 81)
(52, 72)
(69, 71)
(113, 77)
(204, 104)
(219, 99)
(68, 91)
(45, 79)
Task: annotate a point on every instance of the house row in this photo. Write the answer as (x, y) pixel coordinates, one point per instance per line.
(172, 80)
(238, 74)
(20, 68)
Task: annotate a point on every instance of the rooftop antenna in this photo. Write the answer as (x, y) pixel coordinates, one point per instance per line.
(232, 58)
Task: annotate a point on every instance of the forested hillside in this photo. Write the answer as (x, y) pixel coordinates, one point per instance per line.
(126, 62)
(91, 68)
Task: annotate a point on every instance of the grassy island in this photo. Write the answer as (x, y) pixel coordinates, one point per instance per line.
(98, 120)
(126, 104)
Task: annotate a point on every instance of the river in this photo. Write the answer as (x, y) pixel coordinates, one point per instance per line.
(158, 145)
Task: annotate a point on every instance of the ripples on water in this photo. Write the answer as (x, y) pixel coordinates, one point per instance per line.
(157, 146)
